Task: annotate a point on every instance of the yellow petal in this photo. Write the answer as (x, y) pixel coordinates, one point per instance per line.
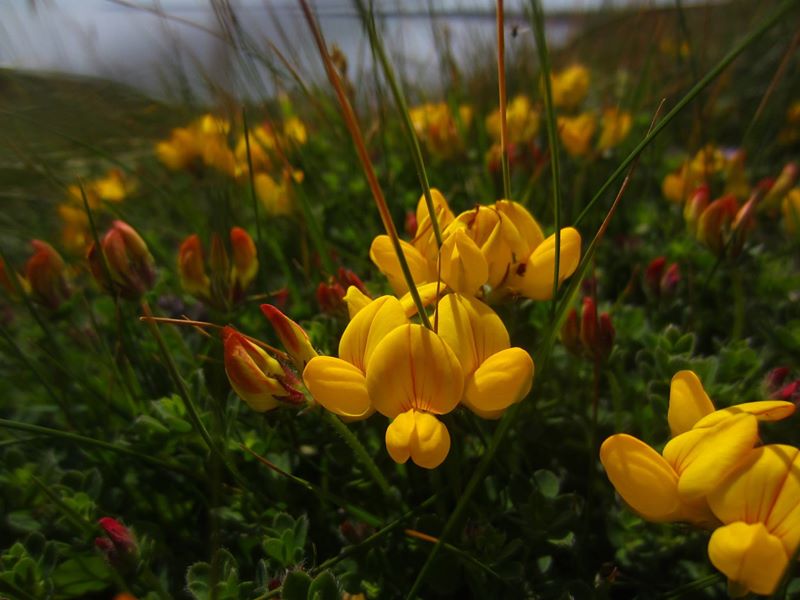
(526, 225)
(537, 280)
(688, 402)
(502, 250)
(338, 386)
(748, 555)
(503, 379)
(414, 368)
(471, 329)
(431, 444)
(427, 293)
(704, 457)
(646, 482)
(398, 436)
(763, 410)
(356, 300)
(368, 328)
(764, 488)
(383, 255)
(464, 267)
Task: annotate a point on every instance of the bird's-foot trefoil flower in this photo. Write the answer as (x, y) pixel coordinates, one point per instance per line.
(412, 376)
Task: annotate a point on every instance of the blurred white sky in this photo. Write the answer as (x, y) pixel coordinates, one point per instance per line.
(107, 39)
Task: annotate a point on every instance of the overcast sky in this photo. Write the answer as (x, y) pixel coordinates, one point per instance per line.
(106, 39)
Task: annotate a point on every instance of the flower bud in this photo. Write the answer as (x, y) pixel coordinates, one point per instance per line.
(45, 271)
(123, 265)
(330, 297)
(253, 374)
(775, 378)
(652, 275)
(694, 207)
(743, 223)
(119, 545)
(192, 268)
(781, 187)
(715, 223)
(670, 280)
(588, 335)
(245, 261)
(570, 333)
(605, 337)
(293, 337)
(411, 224)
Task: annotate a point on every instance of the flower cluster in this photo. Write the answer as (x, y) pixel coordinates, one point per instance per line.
(498, 250)
(713, 474)
(113, 187)
(439, 129)
(227, 277)
(207, 143)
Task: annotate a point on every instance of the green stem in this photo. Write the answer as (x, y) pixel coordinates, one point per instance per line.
(408, 127)
(361, 454)
(81, 439)
(552, 136)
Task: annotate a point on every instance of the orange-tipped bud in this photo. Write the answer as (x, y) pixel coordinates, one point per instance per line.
(46, 274)
(694, 207)
(743, 223)
(661, 279)
(715, 223)
(255, 376)
(293, 337)
(589, 324)
(781, 187)
(570, 333)
(605, 337)
(7, 283)
(124, 265)
(330, 297)
(192, 268)
(245, 261)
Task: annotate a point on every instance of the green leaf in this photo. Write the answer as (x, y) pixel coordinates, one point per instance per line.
(296, 586)
(77, 577)
(323, 587)
(547, 483)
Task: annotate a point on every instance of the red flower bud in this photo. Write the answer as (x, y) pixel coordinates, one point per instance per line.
(293, 337)
(775, 379)
(46, 274)
(411, 223)
(652, 275)
(589, 324)
(192, 267)
(119, 547)
(245, 261)
(123, 264)
(670, 279)
(694, 207)
(330, 297)
(570, 333)
(255, 376)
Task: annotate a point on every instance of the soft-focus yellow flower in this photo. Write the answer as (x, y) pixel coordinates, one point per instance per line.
(616, 125)
(522, 121)
(179, 151)
(791, 130)
(576, 133)
(791, 211)
(496, 375)
(340, 384)
(759, 505)
(436, 127)
(412, 376)
(570, 86)
(275, 196)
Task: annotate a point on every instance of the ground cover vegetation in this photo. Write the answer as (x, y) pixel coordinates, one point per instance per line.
(531, 332)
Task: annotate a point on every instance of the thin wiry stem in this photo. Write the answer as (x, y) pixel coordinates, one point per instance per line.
(366, 163)
(501, 84)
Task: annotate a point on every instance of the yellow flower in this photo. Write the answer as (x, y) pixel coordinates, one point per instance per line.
(436, 127)
(576, 133)
(522, 121)
(340, 384)
(113, 187)
(759, 504)
(707, 447)
(570, 86)
(791, 211)
(412, 376)
(616, 127)
(275, 196)
(496, 375)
